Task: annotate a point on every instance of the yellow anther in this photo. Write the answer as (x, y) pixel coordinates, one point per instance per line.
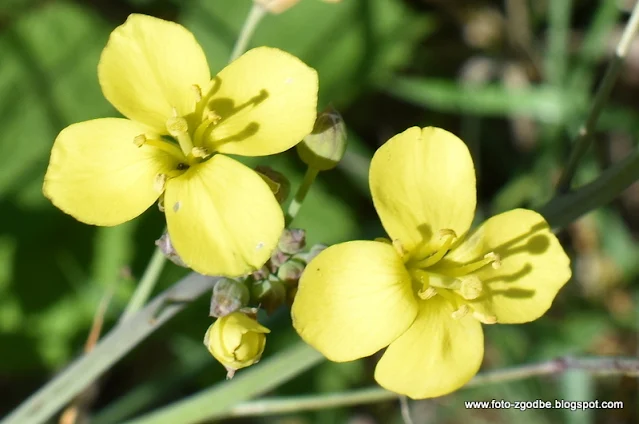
(471, 287)
(382, 240)
(198, 92)
(399, 248)
(213, 117)
(484, 319)
(461, 312)
(139, 140)
(446, 232)
(200, 152)
(159, 182)
(495, 258)
(428, 293)
(177, 125)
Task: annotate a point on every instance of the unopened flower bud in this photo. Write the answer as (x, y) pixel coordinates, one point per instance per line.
(291, 271)
(228, 296)
(277, 182)
(165, 245)
(323, 148)
(276, 6)
(270, 294)
(292, 241)
(236, 341)
(308, 256)
(277, 259)
(261, 274)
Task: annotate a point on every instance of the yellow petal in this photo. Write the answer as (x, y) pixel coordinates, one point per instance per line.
(267, 100)
(99, 176)
(423, 181)
(533, 267)
(436, 356)
(222, 217)
(149, 67)
(353, 299)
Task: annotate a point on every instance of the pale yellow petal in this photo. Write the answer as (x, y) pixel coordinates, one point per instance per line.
(423, 181)
(267, 102)
(436, 356)
(99, 176)
(222, 217)
(533, 267)
(149, 67)
(353, 299)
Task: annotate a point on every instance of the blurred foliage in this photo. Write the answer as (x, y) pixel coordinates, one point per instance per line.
(513, 79)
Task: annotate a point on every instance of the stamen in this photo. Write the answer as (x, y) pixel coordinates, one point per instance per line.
(200, 152)
(165, 146)
(382, 240)
(161, 203)
(448, 236)
(159, 182)
(428, 293)
(139, 140)
(198, 92)
(210, 119)
(461, 312)
(484, 319)
(179, 128)
(471, 287)
(399, 248)
(490, 258)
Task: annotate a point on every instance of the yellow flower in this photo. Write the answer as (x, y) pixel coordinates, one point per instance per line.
(236, 341)
(221, 216)
(425, 293)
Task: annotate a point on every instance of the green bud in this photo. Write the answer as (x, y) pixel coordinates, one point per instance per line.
(277, 259)
(292, 241)
(277, 182)
(291, 271)
(261, 274)
(165, 245)
(323, 148)
(308, 256)
(228, 296)
(271, 294)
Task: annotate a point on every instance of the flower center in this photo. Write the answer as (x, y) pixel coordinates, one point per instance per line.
(457, 283)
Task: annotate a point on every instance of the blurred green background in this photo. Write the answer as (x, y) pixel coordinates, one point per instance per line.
(513, 78)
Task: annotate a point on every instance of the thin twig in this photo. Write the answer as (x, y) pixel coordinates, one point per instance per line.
(40, 406)
(598, 366)
(584, 136)
(404, 408)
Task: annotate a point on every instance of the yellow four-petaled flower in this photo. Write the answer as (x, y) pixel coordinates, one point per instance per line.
(221, 216)
(424, 293)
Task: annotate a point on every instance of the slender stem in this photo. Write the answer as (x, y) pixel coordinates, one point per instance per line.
(145, 286)
(302, 191)
(565, 208)
(404, 408)
(584, 135)
(254, 17)
(43, 404)
(602, 366)
(220, 399)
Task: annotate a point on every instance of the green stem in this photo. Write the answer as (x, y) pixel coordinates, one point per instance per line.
(43, 404)
(601, 366)
(300, 195)
(254, 17)
(565, 208)
(219, 399)
(584, 135)
(145, 286)
(557, 57)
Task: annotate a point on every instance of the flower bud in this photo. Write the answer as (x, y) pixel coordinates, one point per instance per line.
(292, 241)
(291, 271)
(277, 259)
(271, 294)
(308, 256)
(236, 341)
(276, 6)
(228, 296)
(165, 245)
(277, 182)
(323, 148)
